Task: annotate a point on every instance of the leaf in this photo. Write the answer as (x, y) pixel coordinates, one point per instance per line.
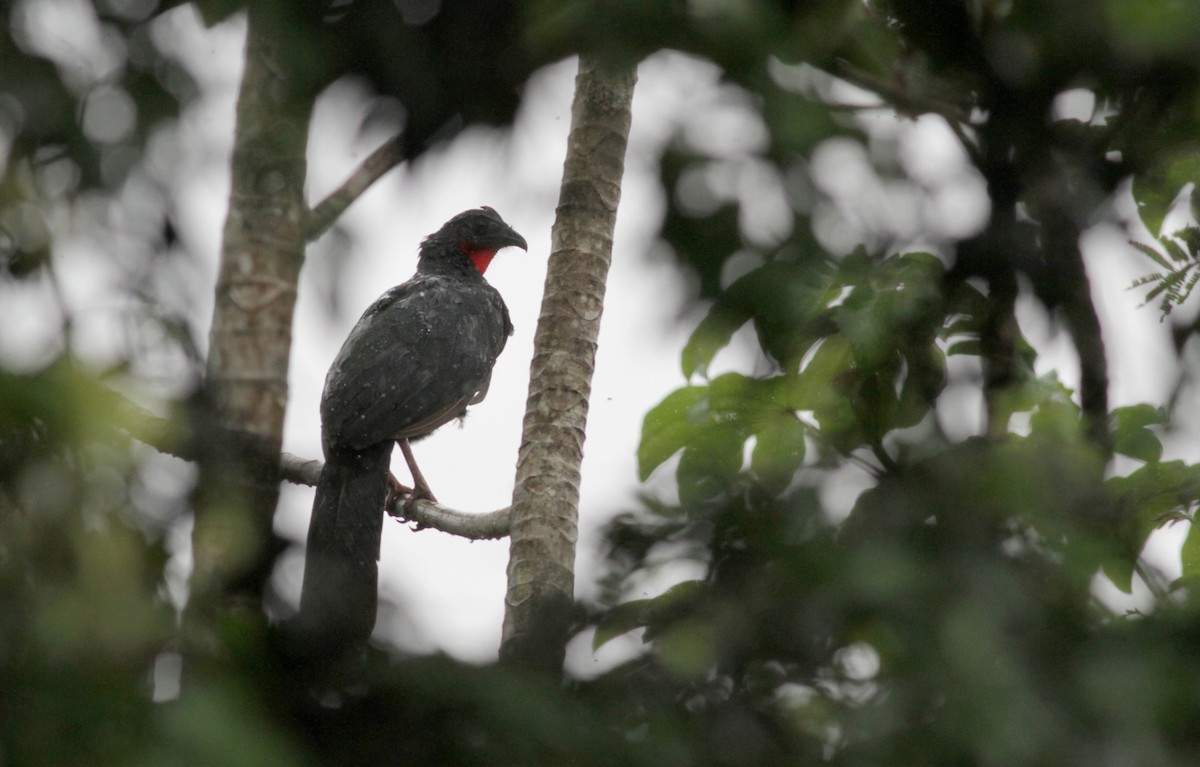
(816, 383)
(710, 336)
(213, 12)
(1131, 435)
(1152, 253)
(789, 302)
(625, 617)
(622, 619)
(1153, 495)
(1190, 554)
(710, 463)
(733, 395)
(668, 427)
(1155, 190)
(970, 346)
(1174, 250)
(778, 451)
(1119, 570)
(703, 241)
(923, 382)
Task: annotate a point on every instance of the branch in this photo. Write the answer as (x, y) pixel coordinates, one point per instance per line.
(306, 471)
(1060, 235)
(476, 527)
(998, 348)
(957, 116)
(900, 99)
(162, 434)
(379, 162)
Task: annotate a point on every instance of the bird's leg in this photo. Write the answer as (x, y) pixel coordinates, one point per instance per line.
(395, 490)
(420, 486)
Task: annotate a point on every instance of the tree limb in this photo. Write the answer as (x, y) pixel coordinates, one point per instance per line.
(163, 434)
(956, 115)
(423, 513)
(379, 162)
(1061, 236)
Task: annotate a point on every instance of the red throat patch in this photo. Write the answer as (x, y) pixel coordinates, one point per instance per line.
(482, 258)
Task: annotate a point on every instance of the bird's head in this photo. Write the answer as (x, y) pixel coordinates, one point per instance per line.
(478, 234)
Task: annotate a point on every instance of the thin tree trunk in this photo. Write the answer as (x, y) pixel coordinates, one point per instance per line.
(251, 333)
(541, 569)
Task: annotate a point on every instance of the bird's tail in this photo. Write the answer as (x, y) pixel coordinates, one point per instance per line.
(338, 600)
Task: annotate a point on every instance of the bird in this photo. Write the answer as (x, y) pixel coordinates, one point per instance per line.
(418, 357)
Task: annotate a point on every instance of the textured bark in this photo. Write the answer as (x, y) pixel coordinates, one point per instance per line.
(250, 340)
(541, 569)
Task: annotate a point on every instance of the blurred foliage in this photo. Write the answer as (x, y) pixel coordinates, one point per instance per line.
(955, 611)
(446, 64)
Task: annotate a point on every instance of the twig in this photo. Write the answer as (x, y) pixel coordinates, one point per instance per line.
(379, 162)
(955, 115)
(899, 98)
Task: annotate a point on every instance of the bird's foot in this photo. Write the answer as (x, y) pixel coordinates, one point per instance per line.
(395, 491)
(419, 493)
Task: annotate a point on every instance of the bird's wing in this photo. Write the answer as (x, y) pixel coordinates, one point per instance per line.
(413, 362)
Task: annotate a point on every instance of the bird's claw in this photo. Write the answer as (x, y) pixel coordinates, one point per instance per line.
(395, 491)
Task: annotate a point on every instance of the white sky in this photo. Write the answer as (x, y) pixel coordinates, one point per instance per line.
(449, 592)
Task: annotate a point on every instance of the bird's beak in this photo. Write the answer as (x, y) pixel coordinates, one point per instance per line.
(512, 238)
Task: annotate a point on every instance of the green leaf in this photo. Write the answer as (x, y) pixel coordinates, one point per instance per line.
(628, 616)
(924, 381)
(1154, 191)
(816, 384)
(789, 302)
(1141, 444)
(669, 426)
(1154, 495)
(213, 12)
(1152, 253)
(622, 619)
(733, 395)
(778, 451)
(710, 463)
(797, 123)
(710, 336)
(970, 346)
(1191, 551)
(1056, 419)
(1131, 435)
(1119, 570)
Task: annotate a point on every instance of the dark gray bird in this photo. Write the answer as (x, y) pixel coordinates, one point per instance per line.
(418, 357)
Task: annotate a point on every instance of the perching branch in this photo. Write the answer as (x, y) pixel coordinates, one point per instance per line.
(163, 435)
(475, 527)
(306, 471)
(379, 162)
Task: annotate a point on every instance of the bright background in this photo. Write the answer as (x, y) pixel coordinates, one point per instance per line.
(445, 593)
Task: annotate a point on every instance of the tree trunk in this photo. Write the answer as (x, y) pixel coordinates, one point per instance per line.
(251, 334)
(541, 569)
